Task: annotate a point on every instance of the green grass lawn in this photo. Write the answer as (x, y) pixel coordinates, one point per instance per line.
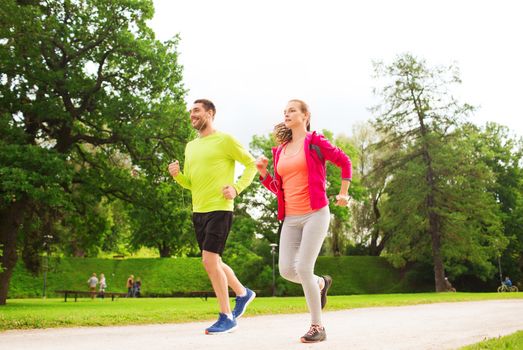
(40, 313)
(512, 342)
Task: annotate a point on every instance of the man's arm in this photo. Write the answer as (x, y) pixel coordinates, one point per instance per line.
(239, 154)
(179, 177)
(183, 181)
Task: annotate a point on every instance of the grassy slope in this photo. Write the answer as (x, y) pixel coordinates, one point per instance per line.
(161, 276)
(352, 275)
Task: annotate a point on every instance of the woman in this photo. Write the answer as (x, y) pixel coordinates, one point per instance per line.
(299, 182)
(103, 284)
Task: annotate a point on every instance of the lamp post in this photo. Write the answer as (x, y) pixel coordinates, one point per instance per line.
(45, 267)
(273, 253)
(499, 267)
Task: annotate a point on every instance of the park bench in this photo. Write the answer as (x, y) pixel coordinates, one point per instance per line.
(76, 293)
(203, 294)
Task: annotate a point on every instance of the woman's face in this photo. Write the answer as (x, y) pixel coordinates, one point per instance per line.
(294, 116)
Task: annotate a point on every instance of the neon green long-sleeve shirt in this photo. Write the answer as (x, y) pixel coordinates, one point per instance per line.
(209, 166)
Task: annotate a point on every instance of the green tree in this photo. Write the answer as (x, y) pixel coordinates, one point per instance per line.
(437, 189)
(340, 223)
(258, 203)
(503, 154)
(88, 93)
(366, 213)
(162, 219)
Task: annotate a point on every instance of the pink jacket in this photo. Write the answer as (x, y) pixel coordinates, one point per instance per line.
(317, 151)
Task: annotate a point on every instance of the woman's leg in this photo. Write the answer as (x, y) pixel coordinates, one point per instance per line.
(290, 240)
(313, 234)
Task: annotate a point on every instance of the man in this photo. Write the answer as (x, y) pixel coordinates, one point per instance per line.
(209, 174)
(129, 285)
(92, 282)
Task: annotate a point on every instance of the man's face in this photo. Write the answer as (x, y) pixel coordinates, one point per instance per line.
(199, 116)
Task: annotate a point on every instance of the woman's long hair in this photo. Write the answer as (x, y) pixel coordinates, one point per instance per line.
(283, 134)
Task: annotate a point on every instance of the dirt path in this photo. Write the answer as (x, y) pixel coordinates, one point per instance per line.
(432, 326)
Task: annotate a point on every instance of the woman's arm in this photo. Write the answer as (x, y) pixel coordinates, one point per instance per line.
(266, 178)
(338, 157)
(335, 155)
(342, 199)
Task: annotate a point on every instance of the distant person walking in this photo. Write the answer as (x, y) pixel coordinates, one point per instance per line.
(137, 288)
(209, 173)
(103, 285)
(92, 282)
(299, 182)
(130, 285)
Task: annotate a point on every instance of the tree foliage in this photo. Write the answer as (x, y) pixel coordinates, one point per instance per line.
(338, 240)
(503, 155)
(370, 238)
(88, 94)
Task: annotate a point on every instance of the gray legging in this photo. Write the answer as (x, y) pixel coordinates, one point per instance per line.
(300, 243)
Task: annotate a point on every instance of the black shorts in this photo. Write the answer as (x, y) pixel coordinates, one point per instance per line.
(212, 229)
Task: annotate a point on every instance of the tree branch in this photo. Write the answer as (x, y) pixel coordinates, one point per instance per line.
(96, 141)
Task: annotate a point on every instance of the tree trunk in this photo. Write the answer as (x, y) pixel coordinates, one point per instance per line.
(434, 218)
(165, 250)
(434, 229)
(336, 244)
(76, 250)
(10, 221)
(437, 260)
(375, 249)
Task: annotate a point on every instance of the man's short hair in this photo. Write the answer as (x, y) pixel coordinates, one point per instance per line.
(207, 105)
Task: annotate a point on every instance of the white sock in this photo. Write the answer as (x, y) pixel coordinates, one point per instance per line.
(229, 316)
(244, 293)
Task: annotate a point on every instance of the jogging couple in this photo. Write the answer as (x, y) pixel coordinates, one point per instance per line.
(299, 182)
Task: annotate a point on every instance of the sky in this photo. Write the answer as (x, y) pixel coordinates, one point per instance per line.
(251, 57)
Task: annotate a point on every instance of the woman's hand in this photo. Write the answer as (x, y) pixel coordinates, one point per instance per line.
(342, 200)
(261, 165)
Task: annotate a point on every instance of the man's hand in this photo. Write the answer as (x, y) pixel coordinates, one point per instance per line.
(261, 165)
(229, 192)
(174, 168)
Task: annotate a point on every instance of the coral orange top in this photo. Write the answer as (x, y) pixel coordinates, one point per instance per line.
(295, 177)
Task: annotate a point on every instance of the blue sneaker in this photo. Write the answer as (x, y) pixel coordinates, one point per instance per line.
(242, 302)
(223, 325)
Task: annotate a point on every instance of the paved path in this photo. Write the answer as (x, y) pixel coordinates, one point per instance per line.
(432, 326)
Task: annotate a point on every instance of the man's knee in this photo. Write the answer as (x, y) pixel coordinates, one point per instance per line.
(211, 261)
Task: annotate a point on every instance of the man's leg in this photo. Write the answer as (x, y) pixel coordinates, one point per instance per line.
(232, 280)
(244, 296)
(213, 265)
